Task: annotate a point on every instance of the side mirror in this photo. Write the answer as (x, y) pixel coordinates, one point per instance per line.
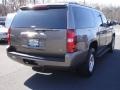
(111, 23)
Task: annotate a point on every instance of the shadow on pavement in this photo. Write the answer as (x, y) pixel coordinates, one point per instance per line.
(56, 81)
(106, 77)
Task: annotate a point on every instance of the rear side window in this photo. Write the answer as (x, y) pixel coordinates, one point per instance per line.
(83, 17)
(49, 19)
(104, 18)
(98, 19)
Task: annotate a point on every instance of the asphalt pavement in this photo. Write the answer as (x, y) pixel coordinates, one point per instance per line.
(15, 76)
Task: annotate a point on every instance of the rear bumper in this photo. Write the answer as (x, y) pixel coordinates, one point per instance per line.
(70, 60)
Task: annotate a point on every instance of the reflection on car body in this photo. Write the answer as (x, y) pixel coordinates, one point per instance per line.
(64, 36)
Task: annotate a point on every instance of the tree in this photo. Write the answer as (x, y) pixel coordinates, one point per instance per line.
(14, 5)
(112, 13)
(3, 10)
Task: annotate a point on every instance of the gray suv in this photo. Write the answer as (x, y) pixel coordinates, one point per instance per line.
(60, 36)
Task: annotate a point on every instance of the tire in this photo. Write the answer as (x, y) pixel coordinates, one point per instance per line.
(112, 44)
(87, 69)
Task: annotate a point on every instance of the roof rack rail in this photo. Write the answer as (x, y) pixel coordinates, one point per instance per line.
(80, 3)
(68, 2)
(73, 3)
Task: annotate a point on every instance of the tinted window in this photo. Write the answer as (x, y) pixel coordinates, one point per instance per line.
(98, 19)
(83, 17)
(2, 20)
(51, 19)
(104, 18)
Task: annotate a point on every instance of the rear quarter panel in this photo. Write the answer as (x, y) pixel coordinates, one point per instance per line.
(85, 37)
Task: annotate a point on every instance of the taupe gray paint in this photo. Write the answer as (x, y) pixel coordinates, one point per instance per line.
(55, 43)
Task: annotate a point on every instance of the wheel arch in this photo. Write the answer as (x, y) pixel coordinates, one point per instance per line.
(94, 44)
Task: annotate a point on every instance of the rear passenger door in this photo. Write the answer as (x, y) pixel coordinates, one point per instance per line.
(108, 30)
(101, 30)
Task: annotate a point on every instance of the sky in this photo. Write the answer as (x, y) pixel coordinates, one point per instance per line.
(101, 2)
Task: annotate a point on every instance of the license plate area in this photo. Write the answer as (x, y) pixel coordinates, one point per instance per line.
(36, 43)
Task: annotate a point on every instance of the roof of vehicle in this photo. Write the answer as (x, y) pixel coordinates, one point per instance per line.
(57, 5)
(53, 5)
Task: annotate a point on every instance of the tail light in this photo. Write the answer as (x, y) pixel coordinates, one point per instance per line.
(9, 31)
(71, 41)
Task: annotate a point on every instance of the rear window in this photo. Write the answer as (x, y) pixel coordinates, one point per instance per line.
(83, 18)
(49, 19)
